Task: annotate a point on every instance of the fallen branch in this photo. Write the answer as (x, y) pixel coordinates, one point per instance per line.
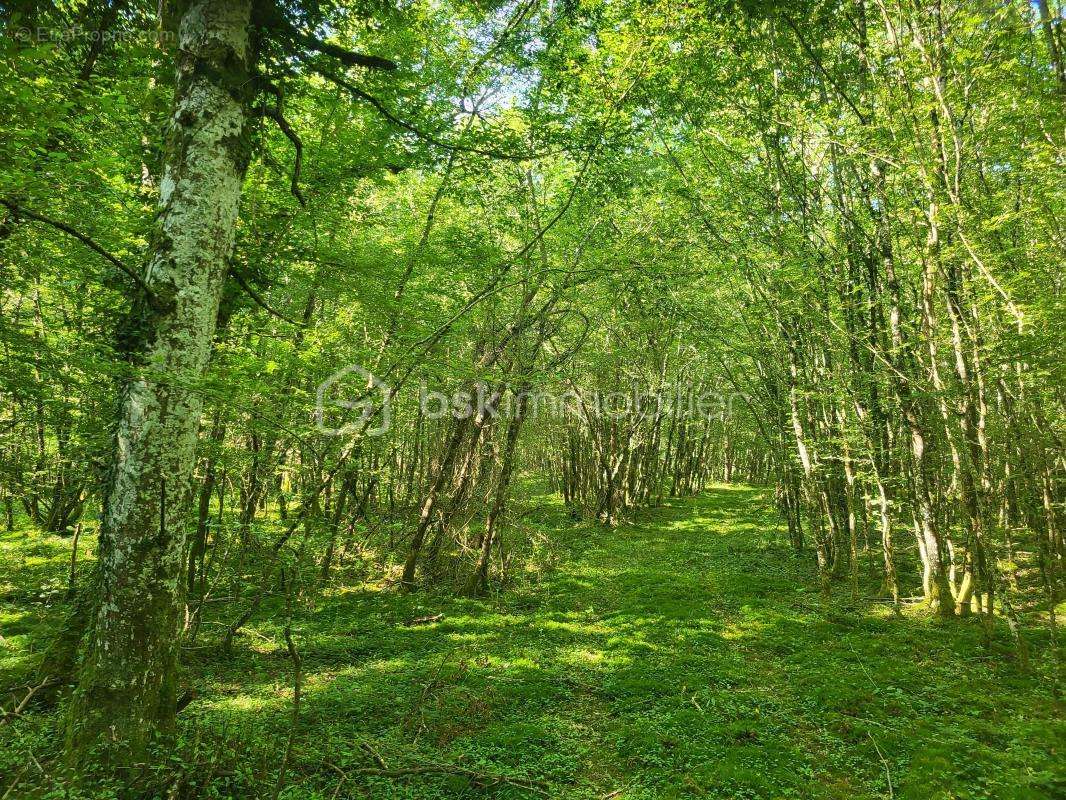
(343, 780)
(888, 772)
(374, 754)
(5, 716)
(16, 782)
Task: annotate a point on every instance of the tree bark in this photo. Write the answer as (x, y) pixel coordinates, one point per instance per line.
(126, 690)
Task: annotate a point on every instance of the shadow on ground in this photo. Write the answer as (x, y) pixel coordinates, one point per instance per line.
(684, 656)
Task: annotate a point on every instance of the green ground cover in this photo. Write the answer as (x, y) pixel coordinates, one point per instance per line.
(676, 657)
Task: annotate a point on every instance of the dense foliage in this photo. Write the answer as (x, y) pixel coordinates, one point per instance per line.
(504, 275)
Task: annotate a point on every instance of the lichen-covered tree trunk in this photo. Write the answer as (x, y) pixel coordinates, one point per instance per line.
(127, 683)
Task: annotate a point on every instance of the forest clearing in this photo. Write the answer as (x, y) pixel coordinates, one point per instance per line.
(599, 399)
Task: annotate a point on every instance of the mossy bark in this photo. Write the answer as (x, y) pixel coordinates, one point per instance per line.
(127, 684)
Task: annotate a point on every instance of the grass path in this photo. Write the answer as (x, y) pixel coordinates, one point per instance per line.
(684, 656)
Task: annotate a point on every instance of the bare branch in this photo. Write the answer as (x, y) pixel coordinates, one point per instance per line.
(21, 706)
(358, 93)
(259, 301)
(88, 242)
(818, 63)
(277, 114)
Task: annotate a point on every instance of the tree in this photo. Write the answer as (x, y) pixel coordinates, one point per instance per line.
(127, 688)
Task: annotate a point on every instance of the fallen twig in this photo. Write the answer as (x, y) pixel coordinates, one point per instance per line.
(16, 782)
(21, 706)
(888, 772)
(343, 780)
(426, 689)
(374, 754)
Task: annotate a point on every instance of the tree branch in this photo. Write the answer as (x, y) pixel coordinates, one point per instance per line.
(277, 114)
(347, 57)
(259, 301)
(359, 94)
(88, 242)
(272, 18)
(818, 63)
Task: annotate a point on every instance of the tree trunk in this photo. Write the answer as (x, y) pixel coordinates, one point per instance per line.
(479, 579)
(127, 684)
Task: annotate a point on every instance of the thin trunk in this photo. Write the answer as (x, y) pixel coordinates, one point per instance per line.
(478, 583)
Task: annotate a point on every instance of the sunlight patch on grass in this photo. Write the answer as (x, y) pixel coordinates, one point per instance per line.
(576, 628)
(671, 659)
(582, 656)
(243, 704)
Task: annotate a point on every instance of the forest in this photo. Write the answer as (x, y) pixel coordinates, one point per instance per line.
(580, 399)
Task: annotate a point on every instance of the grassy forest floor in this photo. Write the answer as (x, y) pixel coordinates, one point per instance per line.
(686, 655)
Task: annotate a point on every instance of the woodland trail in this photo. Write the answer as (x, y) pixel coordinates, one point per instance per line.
(678, 656)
